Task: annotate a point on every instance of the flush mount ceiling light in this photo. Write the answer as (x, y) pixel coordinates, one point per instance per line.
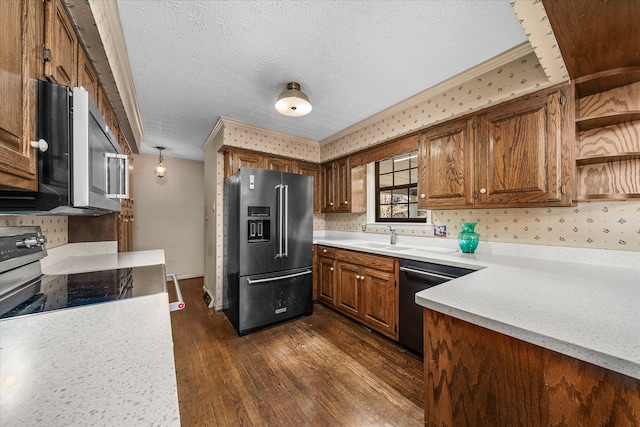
(160, 171)
(293, 102)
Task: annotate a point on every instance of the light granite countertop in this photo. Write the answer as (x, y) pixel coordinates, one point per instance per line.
(580, 302)
(105, 364)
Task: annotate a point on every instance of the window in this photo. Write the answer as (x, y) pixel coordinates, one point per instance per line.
(397, 190)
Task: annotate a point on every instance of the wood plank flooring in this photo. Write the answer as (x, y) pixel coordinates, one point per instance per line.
(321, 370)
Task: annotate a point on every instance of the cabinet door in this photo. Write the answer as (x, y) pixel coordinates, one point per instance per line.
(18, 73)
(87, 75)
(326, 280)
(234, 160)
(348, 290)
(342, 184)
(521, 153)
(379, 301)
(61, 41)
(276, 164)
(326, 172)
(312, 170)
(445, 165)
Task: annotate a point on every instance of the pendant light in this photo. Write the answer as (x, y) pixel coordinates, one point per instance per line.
(160, 171)
(293, 102)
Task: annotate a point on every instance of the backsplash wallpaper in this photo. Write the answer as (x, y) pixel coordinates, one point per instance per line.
(595, 225)
(54, 227)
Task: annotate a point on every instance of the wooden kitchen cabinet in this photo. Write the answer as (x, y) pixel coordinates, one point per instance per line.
(607, 137)
(278, 164)
(446, 165)
(234, 159)
(336, 186)
(504, 381)
(87, 75)
(20, 68)
(326, 275)
(516, 154)
(366, 290)
(312, 170)
(60, 44)
(525, 151)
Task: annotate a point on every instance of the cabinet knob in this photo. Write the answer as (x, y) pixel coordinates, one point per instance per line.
(357, 277)
(422, 196)
(346, 202)
(483, 190)
(331, 204)
(324, 251)
(330, 268)
(40, 144)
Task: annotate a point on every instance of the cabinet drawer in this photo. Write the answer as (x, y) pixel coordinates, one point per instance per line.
(376, 262)
(327, 252)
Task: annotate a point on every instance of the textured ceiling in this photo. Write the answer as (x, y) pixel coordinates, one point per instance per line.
(194, 61)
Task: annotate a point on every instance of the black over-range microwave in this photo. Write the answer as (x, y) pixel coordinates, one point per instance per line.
(83, 171)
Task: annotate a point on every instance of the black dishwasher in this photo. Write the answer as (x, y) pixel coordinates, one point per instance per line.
(416, 276)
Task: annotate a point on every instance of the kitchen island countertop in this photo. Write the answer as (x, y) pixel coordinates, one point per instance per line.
(102, 365)
(583, 303)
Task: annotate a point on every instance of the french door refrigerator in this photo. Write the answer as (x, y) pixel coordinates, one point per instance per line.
(268, 237)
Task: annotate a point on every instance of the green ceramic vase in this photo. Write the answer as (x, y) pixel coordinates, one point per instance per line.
(468, 238)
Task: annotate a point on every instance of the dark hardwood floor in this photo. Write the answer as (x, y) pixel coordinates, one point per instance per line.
(321, 370)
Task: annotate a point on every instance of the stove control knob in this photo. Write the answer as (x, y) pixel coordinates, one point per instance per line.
(29, 242)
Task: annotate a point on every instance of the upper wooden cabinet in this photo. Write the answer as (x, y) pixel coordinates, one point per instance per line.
(278, 164)
(513, 155)
(445, 165)
(20, 56)
(234, 159)
(525, 152)
(87, 75)
(312, 170)
(336, 186)
(60, 44)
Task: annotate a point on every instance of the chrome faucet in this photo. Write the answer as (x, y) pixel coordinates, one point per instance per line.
(393, 234)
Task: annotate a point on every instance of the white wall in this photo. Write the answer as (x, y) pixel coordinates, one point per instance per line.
(169, 213)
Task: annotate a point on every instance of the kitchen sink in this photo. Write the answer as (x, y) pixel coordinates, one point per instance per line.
(383, 246)
(435, 249)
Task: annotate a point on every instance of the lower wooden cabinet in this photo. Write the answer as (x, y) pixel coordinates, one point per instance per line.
(361, 286)
(478, 377)
(326, 274)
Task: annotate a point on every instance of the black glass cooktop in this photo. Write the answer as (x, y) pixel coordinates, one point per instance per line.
(54, 292)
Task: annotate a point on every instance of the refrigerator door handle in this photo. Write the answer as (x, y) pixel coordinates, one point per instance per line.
(273, 279)
(279, 187)
(285, 254)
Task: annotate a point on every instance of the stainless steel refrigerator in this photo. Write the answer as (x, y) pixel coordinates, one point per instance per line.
(268, 234)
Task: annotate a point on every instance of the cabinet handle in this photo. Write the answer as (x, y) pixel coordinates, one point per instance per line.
(422, 196)
(483, 190)
(40, 144)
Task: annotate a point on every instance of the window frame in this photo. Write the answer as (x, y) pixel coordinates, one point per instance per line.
(379, 219)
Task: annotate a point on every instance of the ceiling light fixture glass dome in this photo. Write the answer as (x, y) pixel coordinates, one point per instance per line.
(293, 102)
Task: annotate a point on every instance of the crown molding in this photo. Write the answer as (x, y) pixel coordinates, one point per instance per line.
(489, 65)
(226, 121)
(212, 135)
